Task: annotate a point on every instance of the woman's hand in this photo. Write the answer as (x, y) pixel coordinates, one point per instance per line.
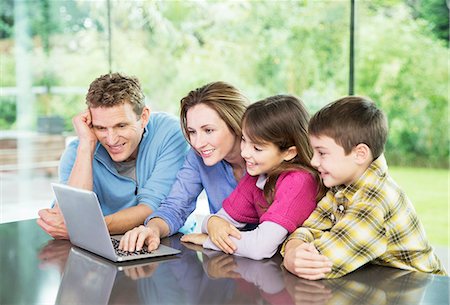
(195, 238)
(137, 237)
(219, 231)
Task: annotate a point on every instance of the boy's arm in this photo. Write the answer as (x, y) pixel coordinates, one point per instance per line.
(303, 260)
(356, 239)
(300, 244)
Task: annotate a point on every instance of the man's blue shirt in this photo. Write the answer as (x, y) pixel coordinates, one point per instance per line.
(160, 156)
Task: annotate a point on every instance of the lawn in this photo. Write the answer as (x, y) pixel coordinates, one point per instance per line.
(428, 190)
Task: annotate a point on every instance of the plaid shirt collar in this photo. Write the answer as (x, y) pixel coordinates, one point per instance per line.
(376, 170)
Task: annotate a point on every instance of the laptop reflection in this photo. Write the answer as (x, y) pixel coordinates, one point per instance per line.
(89, 279)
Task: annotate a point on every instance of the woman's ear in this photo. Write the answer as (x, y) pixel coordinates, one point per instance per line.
(290, 153)
(363, 154)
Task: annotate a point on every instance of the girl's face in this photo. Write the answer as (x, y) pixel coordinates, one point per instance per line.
(210, 135)
(260, 158)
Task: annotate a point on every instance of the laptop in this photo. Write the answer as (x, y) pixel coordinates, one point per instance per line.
(87, 228)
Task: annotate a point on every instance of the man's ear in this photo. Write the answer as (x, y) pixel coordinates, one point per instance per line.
(290, 153)
(363, 154)
(145, 116)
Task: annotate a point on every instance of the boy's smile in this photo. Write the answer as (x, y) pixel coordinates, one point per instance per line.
(334, 166)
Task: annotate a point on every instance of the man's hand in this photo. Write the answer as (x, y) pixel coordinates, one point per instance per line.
(137, 237)
(219, 231)
(54, 254)
(52, 222)
(83, 127)
(195, 238)
(303, 260)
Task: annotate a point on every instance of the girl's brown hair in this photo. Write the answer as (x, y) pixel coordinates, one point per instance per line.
(283, 121)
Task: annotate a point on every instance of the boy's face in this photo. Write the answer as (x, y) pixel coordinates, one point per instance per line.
(334, 166)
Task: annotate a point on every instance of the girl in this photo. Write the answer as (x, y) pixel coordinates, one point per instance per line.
(280, 189)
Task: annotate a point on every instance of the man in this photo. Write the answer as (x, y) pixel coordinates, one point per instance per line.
(128, 157)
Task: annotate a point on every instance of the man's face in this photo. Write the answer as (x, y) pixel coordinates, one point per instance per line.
(119, 130)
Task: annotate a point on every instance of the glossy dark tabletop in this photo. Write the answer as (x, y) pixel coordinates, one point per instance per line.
(36, 269)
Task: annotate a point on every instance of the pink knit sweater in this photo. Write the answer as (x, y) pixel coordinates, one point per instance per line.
(294, 200)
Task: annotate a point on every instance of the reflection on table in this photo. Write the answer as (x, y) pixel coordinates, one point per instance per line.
(44, 271)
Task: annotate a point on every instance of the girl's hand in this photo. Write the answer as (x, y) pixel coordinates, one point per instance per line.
(219, 231)
(221, 266)
(195, 238)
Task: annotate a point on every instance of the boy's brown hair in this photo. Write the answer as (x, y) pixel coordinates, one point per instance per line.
(350, 121)
(113, 89)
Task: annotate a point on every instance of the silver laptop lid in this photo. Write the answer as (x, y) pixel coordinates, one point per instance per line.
(84, 220)
(87, 228)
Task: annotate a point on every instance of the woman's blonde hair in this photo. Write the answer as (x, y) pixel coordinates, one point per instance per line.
(226, 100)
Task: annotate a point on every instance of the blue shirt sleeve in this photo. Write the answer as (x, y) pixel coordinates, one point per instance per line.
(170, 157)
(181, 201)
(67, 161)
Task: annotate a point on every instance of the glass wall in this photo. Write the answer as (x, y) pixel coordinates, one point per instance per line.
(52, 50)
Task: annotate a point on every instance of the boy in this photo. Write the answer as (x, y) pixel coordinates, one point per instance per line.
(364, 217)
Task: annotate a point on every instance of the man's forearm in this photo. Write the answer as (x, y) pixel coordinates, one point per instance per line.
(127, 219)
(81, 175)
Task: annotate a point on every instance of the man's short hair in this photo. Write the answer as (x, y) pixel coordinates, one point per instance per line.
(113, 89)
(350, 121)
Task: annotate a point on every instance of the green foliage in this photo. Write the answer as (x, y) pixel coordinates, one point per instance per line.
(406, 74)
(8, 112)
(262, 47)
(430, 199)
(436, 13)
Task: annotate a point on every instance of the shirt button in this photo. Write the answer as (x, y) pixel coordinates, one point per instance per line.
(332, 217)
(341, 208)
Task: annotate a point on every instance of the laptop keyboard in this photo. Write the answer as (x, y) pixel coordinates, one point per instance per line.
(119, 252)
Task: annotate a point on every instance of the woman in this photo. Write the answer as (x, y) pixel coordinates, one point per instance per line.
(211, 122)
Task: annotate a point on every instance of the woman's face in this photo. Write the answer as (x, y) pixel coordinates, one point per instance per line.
(210, 135)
